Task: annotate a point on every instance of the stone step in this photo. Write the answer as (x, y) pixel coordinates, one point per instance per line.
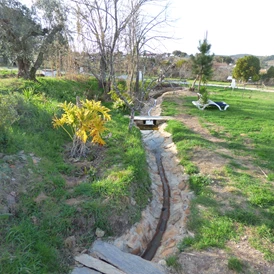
(108, 259)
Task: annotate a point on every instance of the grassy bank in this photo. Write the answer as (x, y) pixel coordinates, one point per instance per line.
(51, 205)
(235, 201)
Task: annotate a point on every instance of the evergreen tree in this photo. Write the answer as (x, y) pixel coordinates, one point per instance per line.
(202, 63)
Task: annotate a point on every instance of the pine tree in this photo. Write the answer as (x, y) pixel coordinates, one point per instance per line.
(202, 63)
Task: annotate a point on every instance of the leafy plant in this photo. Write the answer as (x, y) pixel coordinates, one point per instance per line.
(118, 103)
(85, 120)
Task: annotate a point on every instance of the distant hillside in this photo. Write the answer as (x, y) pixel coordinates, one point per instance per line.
(237, 56)
(266, 61)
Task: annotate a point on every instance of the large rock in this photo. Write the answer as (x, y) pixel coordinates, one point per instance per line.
(84, 270)
(95, 264)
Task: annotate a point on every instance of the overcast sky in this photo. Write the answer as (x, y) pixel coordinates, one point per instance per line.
(233, 27)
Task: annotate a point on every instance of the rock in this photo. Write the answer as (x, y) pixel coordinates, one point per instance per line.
(40, 198)
(22, 155)
(128, 263)
(99, 232)
(132, 201)
(97, 264)
(70, 242)
(11, 202)
(36, 160)
(162, 262)
(84, 270)
(9, 159)
(11, 199)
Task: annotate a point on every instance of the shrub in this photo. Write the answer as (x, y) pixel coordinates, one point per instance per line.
(85, 119)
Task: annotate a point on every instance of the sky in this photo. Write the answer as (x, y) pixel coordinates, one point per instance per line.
(232, 27)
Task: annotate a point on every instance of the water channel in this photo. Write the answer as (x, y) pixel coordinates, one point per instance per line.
(165, 212)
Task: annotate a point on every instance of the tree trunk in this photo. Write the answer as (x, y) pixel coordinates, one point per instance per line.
(131, 121)
(23, 68)
(79, 148)
(200, 80)
(104, 83)
(193, 84)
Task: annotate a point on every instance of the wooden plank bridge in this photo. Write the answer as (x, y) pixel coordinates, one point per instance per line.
(150, 122)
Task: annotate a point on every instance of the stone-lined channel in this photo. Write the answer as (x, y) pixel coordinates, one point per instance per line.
(156, 236)
(163, 222)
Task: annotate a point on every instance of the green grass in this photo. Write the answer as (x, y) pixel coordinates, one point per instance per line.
(246, 129)
(235, 264)
(5, 72)
(172, 261)
(33, 236)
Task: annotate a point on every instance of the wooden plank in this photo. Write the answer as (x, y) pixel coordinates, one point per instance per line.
(143, 118)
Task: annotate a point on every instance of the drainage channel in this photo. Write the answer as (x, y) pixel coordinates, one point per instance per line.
(155, 243)
(162, 224)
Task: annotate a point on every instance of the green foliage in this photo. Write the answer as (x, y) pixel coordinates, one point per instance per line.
(204, 93)
(269, 74)
(118, 103)
(246, 68)
(189, 167)
(202, 62)
(85, 120)
(5, 73)
(179, 53)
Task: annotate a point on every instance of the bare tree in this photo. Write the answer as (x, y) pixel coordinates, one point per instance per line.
(110, 25)
(101, 23)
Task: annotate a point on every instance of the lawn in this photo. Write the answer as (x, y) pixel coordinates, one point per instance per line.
(234, 198)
